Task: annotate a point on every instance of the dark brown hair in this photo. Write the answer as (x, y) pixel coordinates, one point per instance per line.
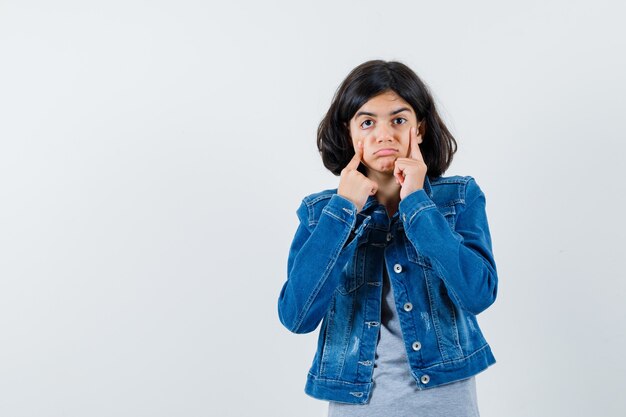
(366, 81)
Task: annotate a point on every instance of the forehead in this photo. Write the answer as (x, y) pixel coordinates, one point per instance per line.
(383, 104)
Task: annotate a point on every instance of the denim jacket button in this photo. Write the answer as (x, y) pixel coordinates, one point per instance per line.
(389, 237)
(397, 268)
(408, 306)
(425, 379)
(417, 346)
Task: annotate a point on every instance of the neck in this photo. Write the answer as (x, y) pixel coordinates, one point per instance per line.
(388, 193)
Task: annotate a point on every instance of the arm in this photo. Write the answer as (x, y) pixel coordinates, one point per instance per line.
(316, 259)
(463, 257)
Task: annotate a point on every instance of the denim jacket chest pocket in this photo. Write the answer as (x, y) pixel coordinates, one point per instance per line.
(449, 212)
(353, 273)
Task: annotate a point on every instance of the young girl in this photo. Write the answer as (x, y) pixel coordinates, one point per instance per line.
(396, 263)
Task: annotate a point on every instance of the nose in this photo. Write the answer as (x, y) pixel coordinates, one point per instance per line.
(384, 134)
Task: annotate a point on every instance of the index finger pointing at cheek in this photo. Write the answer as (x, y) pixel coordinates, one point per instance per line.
(356, 159)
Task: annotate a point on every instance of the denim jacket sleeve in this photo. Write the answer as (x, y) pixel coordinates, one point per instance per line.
(318, 253)
(462, 257)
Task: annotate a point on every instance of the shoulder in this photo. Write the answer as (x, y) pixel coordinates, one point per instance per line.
(320, 197)
(453, 189)
(312, 205)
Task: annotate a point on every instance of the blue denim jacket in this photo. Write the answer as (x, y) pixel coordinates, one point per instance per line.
(437, 251)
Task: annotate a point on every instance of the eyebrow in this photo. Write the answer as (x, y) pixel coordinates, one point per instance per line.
(366, 113)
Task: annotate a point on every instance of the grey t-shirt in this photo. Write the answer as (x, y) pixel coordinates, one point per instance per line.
(395, 392)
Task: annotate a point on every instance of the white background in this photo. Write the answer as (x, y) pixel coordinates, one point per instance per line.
(153, 154)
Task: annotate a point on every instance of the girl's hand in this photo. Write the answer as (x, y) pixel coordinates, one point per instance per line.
(410, 172)
(353, 185)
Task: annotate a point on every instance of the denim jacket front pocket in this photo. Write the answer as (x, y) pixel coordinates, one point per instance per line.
(334, 337)
(444, 317)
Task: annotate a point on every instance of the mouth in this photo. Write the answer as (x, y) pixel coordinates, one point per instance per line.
(386, 151)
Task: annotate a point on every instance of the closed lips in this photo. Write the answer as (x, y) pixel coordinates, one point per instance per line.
(386, 151)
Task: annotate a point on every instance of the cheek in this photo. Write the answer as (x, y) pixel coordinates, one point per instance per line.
(368, 158)
(357, 136)
(355, 133)
(363, 137)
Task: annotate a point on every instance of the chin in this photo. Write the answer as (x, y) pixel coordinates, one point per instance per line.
(385, 170)
(389, 166)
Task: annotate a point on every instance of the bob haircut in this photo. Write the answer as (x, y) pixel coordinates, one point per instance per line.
(366, 81)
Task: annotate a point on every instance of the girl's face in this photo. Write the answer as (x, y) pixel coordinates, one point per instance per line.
(383, 124)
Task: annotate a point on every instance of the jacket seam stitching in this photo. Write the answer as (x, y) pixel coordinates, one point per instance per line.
(463, 359)
(438, 364)
(335, 216)
(419, 210)
(339, 381)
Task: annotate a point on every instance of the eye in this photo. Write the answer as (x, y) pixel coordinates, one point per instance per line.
(366, 121)
(399, 120)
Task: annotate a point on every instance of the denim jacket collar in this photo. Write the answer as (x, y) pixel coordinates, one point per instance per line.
(372, 199)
